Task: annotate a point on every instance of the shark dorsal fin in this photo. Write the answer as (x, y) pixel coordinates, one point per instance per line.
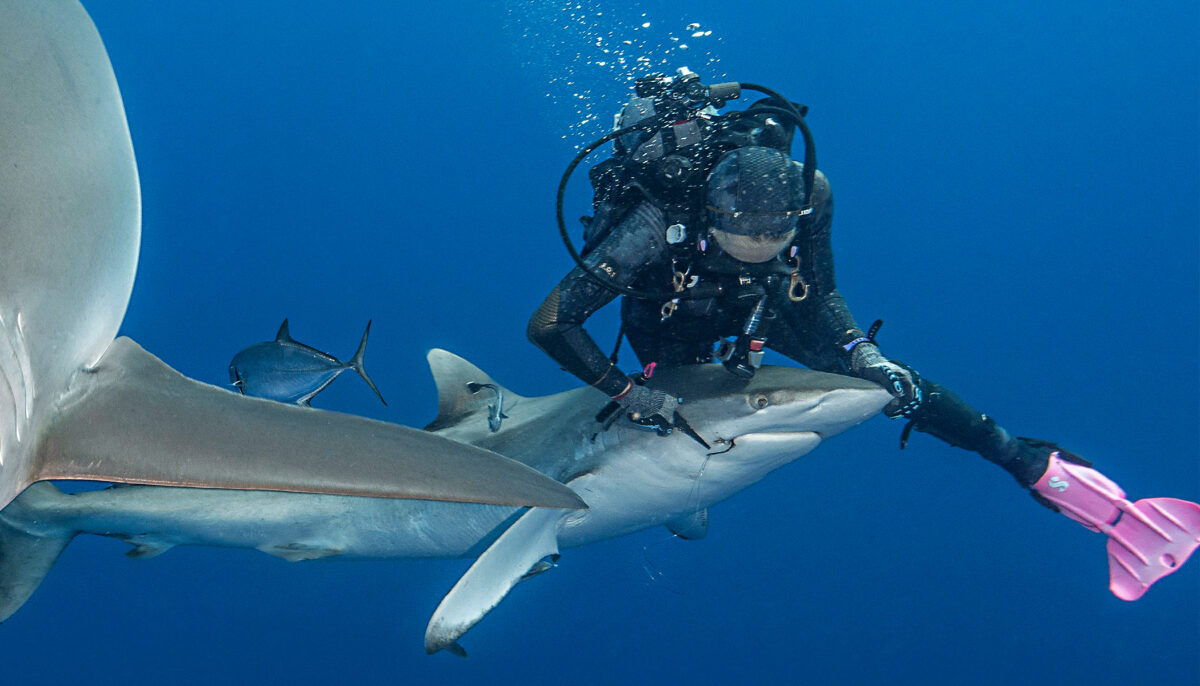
(453, 374)
(283, 335)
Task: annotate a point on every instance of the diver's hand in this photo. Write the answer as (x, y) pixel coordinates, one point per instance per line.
(647, 406)
(902, 382)
(905, 390)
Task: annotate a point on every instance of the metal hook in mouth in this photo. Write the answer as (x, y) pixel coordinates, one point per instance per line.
(732, 445)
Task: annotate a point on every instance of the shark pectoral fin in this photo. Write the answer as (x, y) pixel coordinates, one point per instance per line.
(133, 419)
(690, 527)
(531, 538)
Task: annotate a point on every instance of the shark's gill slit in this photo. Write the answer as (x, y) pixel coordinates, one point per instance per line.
(15, 399)
(26, 371)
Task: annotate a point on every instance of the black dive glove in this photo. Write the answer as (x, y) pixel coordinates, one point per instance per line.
(903, 383)
(649, 407)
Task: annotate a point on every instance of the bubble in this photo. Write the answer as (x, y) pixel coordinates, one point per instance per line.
(590, 53)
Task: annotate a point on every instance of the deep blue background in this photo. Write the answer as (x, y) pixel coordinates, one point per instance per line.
(1017, 189)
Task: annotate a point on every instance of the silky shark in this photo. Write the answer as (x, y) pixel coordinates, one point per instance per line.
(631, 478)
(75, 404)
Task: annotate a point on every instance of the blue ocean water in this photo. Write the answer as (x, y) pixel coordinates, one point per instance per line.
(1018, 192)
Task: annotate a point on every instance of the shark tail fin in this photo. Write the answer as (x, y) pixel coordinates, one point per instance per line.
(357, 362)
(28, 551)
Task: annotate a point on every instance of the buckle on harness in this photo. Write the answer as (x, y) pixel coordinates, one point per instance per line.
(794, 280)
(668, 309)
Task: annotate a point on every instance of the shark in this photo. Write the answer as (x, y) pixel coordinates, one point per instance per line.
(78, 403)
(632, 479)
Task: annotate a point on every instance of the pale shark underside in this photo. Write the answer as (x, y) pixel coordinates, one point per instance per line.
(74, 403)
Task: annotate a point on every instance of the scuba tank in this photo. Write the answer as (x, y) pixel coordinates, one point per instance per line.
(666, 140)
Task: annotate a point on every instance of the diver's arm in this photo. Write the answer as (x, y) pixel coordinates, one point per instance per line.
(834, 325)
(557, 325)
(836, 328)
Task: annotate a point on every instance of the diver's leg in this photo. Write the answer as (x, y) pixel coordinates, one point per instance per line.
(946, 415)
(1147, 539)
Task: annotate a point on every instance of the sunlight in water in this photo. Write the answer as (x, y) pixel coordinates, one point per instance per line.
(588, 55)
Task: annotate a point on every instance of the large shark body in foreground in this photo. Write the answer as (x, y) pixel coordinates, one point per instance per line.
(632, 479)
(74, 403)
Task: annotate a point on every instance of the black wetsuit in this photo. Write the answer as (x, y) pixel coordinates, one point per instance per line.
(812, 330)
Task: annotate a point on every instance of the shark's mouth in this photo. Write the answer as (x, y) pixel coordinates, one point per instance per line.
(783, 444)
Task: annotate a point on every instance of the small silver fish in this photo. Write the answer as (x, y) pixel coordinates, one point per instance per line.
(292, 372)
(495, 412)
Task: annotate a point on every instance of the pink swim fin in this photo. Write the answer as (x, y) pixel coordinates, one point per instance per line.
(1147, 539)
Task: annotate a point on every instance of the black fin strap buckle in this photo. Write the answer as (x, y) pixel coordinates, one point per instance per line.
(875, 327)
(1063, 453)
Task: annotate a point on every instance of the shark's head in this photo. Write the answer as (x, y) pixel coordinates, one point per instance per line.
(754, 426)
(633, 479)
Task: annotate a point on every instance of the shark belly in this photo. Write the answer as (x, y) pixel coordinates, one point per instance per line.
(288, 525)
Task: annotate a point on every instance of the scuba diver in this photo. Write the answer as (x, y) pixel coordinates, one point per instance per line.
(719, 244)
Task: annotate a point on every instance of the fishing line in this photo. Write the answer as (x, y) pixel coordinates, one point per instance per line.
(654, 570)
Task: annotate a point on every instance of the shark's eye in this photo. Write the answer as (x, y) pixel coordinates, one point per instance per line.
(759, 401)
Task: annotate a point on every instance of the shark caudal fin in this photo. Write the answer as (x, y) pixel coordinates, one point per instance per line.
(29, 545)
(455, 377)
(356, 362)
